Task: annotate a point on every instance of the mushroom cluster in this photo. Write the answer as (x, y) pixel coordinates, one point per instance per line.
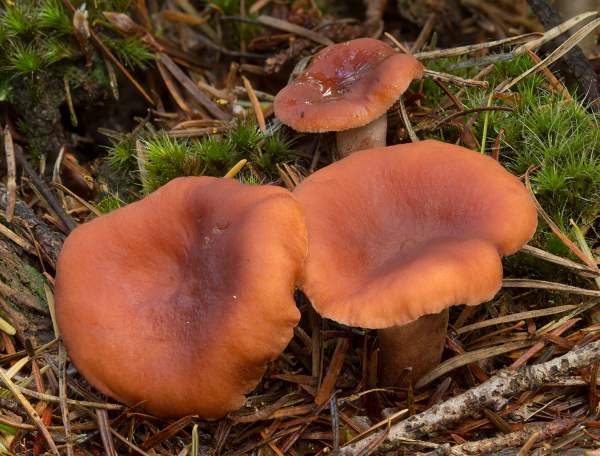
(179, 301)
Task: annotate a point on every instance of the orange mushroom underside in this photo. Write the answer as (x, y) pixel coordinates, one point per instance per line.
(409, 230)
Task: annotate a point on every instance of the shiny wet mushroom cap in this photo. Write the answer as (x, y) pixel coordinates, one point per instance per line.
(348, 86)
(180, 299)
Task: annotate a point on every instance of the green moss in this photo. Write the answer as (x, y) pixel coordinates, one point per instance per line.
(38, 35)
(168, 158)
(122, 157)
(35, 282)
(131, 51)
(275, 149)
(18, 20)
(55, 50)
(24, 59)
(52, 16)
(109, 203)
(558, 137)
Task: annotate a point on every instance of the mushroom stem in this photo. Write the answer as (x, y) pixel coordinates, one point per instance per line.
(417, 345)
(368, 136)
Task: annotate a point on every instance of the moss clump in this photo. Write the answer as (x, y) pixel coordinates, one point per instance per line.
(167, 158)
(555, 137)
(109, 203)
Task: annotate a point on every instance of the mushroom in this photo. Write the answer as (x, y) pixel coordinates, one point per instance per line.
(347, 88)
(404, 231)
(180, 299)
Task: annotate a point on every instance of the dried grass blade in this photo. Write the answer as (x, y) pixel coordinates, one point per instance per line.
(16, 367)
(295, 29)
(456, 80)
(196, 132)
(386, 422)
(461, 50)
(556, 230)
(236, 168)
(50, 398)
(193, 90)
(52, 309)
(14, 237)
(105, 434)
(135, 448)
(561, 50)
(539, 345)
(172, 88)
(62, 394)
(404, 114)
(120, 66)
(547, 256)
(544, 285)
(258, 112)
(168, 432)
(35, 417)
(334, 369)
(262, 414)
(585, 248)
(470, 357)
(7, 327)
(11, 173)
(78, 198)
(516, 317)
(552, 33)
(371, 448)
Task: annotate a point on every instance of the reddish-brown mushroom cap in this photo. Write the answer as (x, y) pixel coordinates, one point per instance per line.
(347, 85)
(181, 299)
(408, 230)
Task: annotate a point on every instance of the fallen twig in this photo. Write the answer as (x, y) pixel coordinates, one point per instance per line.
(512, 440)
(11, 171)
(491, 394)
(574, 62)
(45, 192)
(295, 29)
(50, 240)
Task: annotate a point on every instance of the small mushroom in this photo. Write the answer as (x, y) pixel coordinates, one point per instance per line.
(180, 299)
(404, 231)
(347, 88)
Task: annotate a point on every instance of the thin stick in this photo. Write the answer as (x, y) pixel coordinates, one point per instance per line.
(524, 451)
(135, 448)
(411, 132)
(561, 50)
(192, 89)
(45, 191)
(456, 80)
(62, 394)
(258, 112)
(14, 237)
(544, 285)
(11, 171)
(295, 29)
(50, 398)
(105, 434)
(491, 394)
(30, 411)
(461, 50)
